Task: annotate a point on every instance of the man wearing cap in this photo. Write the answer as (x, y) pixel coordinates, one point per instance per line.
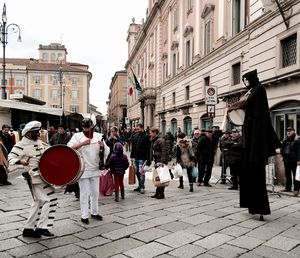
(88, 143)
(289, 155)
(26, 154)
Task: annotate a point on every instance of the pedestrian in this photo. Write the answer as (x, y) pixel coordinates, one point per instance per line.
(186, 158)
(118, 163)
(7, 139)
(27, 153)
(169, 139)
(159, 154)
(206, 153)
(3, 165)
(297, 181)
(112, 139)
(87, 143)
(139, 154)
(224, 155)
(289, 155)
(195, 141)
(260, 142)
(235, 157)
(128, 136)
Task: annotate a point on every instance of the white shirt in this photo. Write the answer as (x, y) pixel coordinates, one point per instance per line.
(89, 153)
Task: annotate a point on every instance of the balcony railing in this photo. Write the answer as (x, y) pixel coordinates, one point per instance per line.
(148, 93)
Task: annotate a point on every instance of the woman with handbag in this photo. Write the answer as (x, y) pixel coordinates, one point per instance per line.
(158, 153)
(186, 158)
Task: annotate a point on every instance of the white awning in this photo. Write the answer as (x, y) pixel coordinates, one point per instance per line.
(30, 107)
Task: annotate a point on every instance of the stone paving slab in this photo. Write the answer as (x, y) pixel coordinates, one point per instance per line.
(10, 243)
(282, 243)
(26, 250)
(149, 235)
(213, 240)
(148, 250)
(187, 251)
(63, 251)
(227, 251)
(59, 241)
(246, 242)
(269, 252)
(178, 239)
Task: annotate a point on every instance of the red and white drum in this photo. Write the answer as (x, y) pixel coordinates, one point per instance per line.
(61, 165)
(237, 116)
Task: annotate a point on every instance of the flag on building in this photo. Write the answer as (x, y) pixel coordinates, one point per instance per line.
(137, 84)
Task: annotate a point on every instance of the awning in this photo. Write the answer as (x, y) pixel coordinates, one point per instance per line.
(31, 107)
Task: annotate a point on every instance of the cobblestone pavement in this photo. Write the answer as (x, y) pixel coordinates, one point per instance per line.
(205, 223)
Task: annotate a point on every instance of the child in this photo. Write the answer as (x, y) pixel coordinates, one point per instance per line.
(118, 163)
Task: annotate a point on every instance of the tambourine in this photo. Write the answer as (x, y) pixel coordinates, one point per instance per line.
(61, 165)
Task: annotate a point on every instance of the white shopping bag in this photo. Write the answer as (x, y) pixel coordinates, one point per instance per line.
(163, 173)
(297, 175)
(178, 170)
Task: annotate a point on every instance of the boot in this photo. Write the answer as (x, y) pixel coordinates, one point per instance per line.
(161, 193)
(156, 193)
(123, 194)
(191, 187)
(180, 182)
(116, 196)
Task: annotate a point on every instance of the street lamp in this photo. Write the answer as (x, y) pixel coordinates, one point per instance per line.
(62, 92)
(4, 31)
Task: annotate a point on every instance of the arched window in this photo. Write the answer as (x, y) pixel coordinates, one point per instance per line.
(163, 127)
(206, 121)
(187, 126)
(173, 126)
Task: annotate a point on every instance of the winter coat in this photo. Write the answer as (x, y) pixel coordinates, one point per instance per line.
(288, 149)
(118, 161)
(235, 150)
(140, 146)
(159, 150)
(60, 138)
(184, 148)
(206, 150)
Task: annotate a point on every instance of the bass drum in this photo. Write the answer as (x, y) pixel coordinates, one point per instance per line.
(61, 165)
(237, 116)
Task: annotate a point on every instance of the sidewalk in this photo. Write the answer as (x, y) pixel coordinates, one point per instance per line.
(205, 223)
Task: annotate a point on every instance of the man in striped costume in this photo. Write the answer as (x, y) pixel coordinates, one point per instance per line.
(26, 154)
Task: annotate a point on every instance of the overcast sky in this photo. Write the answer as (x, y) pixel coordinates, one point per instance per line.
(93, 31)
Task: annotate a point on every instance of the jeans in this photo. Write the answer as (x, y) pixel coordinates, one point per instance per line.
(138, 163)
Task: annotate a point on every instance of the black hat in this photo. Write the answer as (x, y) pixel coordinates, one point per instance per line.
(234, 130)
(62, 126)
(290, 129)
(208, 131)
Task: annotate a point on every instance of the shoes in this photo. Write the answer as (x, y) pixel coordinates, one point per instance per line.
(137, 189)
(97, 217)
(6, 183)
(286, 190)
(191, 188)
(198, 184)
(44, 232)
(85, 221)
(233, 188)
(180, 186)
(208, 185)
(154, 196)
(296, 193)
(161, 196)
(142, 191)
(123, 194)
(29, 232)
(77, 195)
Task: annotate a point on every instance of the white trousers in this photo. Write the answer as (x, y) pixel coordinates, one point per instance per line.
(43, 208)
(89, 194)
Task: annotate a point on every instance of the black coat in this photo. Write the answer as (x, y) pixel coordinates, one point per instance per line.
(140, 146)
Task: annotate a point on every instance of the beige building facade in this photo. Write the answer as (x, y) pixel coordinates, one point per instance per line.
(185, 47)
(117, 100)
(61, 84)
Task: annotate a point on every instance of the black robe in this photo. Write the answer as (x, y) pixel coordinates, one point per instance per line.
(260, 142)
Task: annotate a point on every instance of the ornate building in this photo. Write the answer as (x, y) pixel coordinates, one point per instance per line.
(184, 47)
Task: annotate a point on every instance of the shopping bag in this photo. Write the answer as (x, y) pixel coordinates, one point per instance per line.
(156, 179)
(178, 170)
(106, 184)
(131, 175)
(297, 175)
(163, 173)
(194, 172)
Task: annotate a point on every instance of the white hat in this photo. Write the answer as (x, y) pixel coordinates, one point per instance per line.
(31, 126)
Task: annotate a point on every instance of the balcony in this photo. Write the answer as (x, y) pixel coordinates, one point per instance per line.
(148, 93)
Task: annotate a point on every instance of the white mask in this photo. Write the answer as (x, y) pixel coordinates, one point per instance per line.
(246, 82)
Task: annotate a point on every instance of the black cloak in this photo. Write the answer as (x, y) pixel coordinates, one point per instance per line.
(260, 142)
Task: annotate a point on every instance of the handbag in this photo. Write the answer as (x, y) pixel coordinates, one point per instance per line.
(156, 180)
(163, 173)
(194, 172)
(192, 155)
(131, 175)
(106, 184)
(178, 171)
(297, 175)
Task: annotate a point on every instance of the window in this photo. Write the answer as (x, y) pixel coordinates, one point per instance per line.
(187, 92)
(74, 108)
(173, 126)
(236, 74)
(207, 37)
(37, 79)
(188, 53)
(163, 103)
(45, 57)
(174, 66)
(289, 50)
(236, 17)
(54, 95)
(74, 94)
(187, 126)
(206, 81)
(152, 45)
(165, 72)
(19, 82)
(175, 19)
(189, 5)
(53, 57)
(173, 98)
(54, 80)
(74, 81)
(37, 93)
